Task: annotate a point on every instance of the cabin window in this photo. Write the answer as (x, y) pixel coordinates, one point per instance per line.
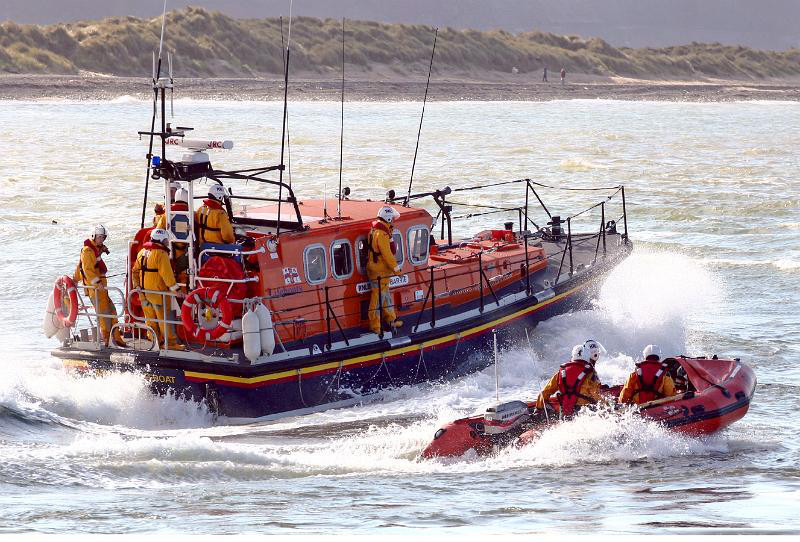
(399, 255)
(341, 259)
(362, 253)
(418, 239)
(314, 260)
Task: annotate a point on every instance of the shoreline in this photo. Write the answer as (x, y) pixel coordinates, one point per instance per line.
(504, 88)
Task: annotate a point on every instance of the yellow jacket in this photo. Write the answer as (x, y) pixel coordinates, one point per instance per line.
(153, 271)
(213, 224)
(590, 388)
(91, 270)
(379, 242)
(630, 391)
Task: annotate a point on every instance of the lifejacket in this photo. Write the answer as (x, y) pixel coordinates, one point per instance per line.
(379, 225)
(99, 265)
(650, 374)
(202, 224)
(144, 255)
(571, 377)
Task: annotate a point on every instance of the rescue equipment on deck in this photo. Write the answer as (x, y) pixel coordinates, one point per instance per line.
(251, 335)
(52, 326)
(65, 284)
(212, 308)
(265, 328)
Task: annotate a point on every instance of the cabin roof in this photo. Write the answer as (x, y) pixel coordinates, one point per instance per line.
(353, 212)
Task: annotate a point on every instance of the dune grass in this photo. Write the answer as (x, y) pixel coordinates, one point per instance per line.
(210, 44)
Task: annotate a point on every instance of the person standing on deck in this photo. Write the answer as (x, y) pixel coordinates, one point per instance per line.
(91, 272)
(381, 265)
(153, 271)
(211, 219)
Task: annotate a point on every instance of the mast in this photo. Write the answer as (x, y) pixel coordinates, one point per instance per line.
(341, 135)
(283, 129)
(156, 78)
(422, 116)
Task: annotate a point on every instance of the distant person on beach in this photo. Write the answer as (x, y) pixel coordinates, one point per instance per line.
(563, 75)
(544, 75)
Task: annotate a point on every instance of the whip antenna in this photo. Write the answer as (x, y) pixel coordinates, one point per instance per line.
(283, 129)
(422, 116)
(341, 135)
(156, 77)
(496, 373)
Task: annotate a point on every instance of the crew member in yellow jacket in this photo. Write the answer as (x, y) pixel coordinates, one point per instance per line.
(91, 271)
(153, 271)
(381, 265)
(211, 219)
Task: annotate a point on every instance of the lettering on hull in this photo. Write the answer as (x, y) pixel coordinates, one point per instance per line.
(395, 281)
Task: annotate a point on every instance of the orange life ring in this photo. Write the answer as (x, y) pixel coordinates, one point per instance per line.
(65, 283)
(215, 300)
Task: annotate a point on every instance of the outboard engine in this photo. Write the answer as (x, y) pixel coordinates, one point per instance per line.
(503, 417)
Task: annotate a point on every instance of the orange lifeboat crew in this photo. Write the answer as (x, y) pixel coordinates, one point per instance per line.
(650, 380)
(381, 265)
(211, 220)
(575, 383)
(153, 271)
(91, 271)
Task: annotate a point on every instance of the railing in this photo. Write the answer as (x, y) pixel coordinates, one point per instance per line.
(333, 319)
(88, 311)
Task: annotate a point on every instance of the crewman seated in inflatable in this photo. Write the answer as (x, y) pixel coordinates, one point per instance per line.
(152, 271)
(158, 210)
(211, 219)
(381, 265)
(180, 258)
(575, 384)
(91, 271)
(650, 380)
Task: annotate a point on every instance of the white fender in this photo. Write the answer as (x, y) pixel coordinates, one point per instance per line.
(51, 325)
(251, 335)
(266, 328)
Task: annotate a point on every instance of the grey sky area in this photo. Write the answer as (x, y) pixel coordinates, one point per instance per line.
(764, 24)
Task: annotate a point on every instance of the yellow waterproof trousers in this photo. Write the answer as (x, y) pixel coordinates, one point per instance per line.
(103, 306)
(386, 304)
(153, 312)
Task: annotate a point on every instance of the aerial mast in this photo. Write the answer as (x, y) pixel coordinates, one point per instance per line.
(283, 129)
(158, 87)
(422, 116)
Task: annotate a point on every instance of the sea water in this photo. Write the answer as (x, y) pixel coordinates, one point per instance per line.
(713, 202)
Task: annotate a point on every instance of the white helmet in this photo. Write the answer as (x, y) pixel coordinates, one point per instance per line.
(580, 353)
(217, 192)
(159, 236)
(388, 214)
(652, 350)
(595, 350)
(99, 231)
(182, 195)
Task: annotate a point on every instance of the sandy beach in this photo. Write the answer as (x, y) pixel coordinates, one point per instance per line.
(312, 87)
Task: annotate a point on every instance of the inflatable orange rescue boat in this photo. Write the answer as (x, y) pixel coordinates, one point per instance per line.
(717, 393)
